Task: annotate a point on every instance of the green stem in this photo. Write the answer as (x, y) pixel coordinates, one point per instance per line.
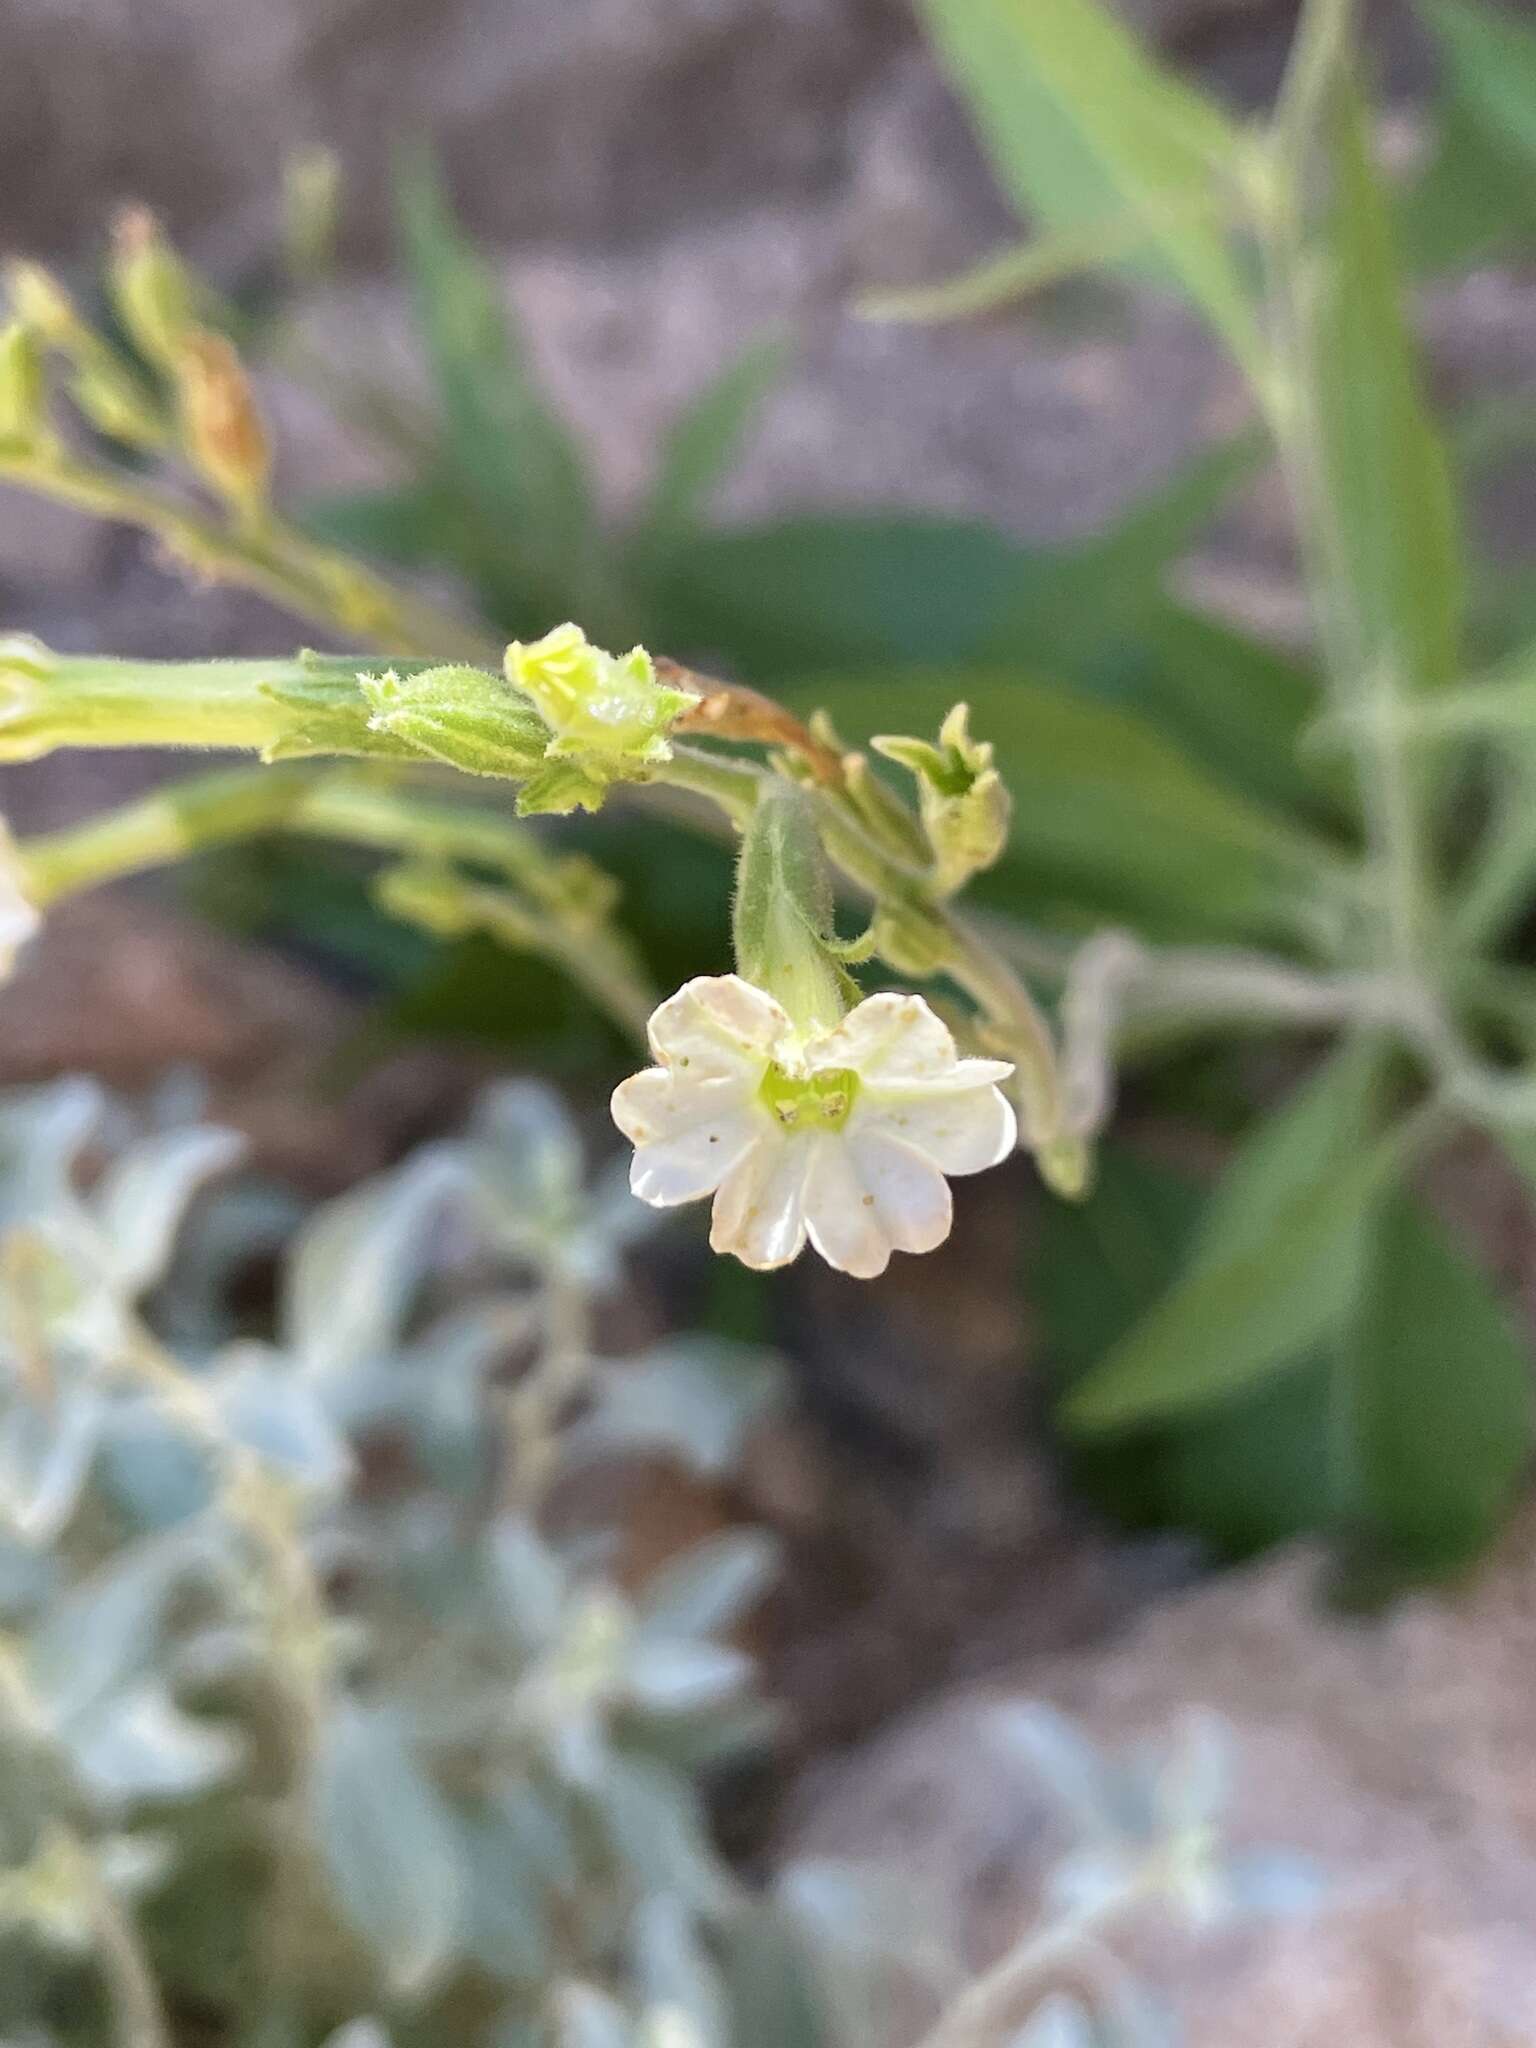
(163, 827)
(329, 589)
(138, 2014)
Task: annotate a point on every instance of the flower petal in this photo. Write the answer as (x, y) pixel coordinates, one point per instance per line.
(841, 1218)
(759, 1211)
(717, 1024)
(910, 1196)
(687, 1134)
(962, 1130)
(894, 1042)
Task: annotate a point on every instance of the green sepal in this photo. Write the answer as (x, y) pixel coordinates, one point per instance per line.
(782, 919)
(462, 716)
(559, 787)
(329, 715)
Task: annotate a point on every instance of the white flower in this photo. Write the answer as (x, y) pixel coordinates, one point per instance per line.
(843, 1138)
(19, 918)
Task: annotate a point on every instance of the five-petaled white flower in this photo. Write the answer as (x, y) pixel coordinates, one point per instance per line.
(842, 1136)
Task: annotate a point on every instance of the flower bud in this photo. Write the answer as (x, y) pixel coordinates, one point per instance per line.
(41, 302)
(607, 710)
(151, 289)
(965, 805)
(23, 389)
(221, 427)
(311, 208)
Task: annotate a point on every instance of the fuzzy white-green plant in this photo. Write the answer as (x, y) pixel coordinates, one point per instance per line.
(322, 1702)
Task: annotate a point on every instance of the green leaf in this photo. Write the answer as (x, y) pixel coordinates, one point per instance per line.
(1275, 1265)
(1491, 57)
(508, 447)
(1083, 128)
(1440, 1397)
(1237, 704)
(806, 595)
(703, 443)
(1478, 195)
(1108, 814)
(407, 524)
(1383, 526)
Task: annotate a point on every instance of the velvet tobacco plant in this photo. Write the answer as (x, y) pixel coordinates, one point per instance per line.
(1148, 830)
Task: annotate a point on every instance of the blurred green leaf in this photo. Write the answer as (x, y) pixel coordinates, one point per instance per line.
(409, 523)
(703, 442)
(1238, 704)
(1439, 1397)
(509, 449)
(1491, 57)
(1108, 812)
(1379, 505)
(1274, 1267)
(1083, 128)
(817, 593)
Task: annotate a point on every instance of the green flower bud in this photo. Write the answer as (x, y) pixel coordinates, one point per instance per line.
(112, 400)
(23, 389)
(463, 716)
(41, 303)
(964, 802)
(881, 812)
(154, 295)
(609, 710)
(311, 211)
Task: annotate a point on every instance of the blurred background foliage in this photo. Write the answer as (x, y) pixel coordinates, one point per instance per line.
(1172, 768)
(1276, 1312)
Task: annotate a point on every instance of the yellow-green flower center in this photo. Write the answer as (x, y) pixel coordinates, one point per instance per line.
(810, 1102)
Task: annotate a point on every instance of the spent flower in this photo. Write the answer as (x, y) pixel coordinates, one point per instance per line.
(842, 1136)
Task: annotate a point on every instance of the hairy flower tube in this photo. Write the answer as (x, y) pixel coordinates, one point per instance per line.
(842, 1136)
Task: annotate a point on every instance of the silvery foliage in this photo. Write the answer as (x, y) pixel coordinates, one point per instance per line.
(330, 1714)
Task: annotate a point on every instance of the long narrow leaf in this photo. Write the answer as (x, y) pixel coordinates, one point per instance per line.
(509, 447)
(1083, 127)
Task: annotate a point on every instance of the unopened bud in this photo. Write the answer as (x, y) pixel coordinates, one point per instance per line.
(964, 802)
(151, 289)
(23, 388)
(311, 209)
(221, 427)
(113, 400)
(41, 302)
